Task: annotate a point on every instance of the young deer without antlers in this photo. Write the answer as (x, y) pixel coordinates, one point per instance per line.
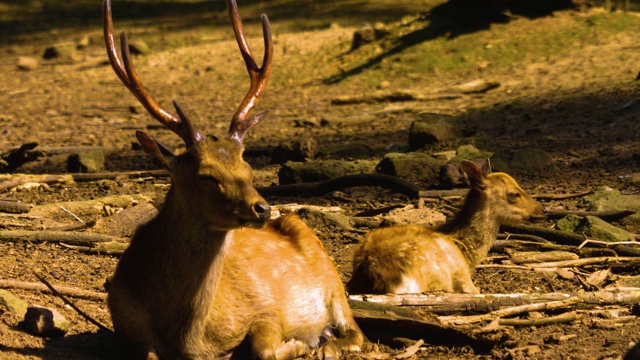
(415, 259)
(211, 272)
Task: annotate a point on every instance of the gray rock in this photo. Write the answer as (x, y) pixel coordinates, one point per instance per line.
(347, 151)
(86, 162)
(429, 129)
(317, 170)
(608, 199)
(13, 305)
(418, 166)
(593, 227)
(63, 50)
(470, 152)
(302, 150)
(44, 321)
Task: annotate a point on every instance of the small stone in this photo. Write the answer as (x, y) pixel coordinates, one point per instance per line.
(44, 321)
(138, 47)
(64, 50)
(27, 63)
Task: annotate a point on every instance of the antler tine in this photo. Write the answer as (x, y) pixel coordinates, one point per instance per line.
(126, 72)
(241, 122)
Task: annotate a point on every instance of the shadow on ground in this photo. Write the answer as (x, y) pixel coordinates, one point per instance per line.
(455, 18)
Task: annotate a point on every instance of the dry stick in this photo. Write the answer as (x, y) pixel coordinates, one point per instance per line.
(48, 179)
(343, 182)
(559, 319)
(66, 301)
(443, 303)
(516, 310)
(66, 290)
(86, 177)
(110, 248)
(69, 237)
(596, 261)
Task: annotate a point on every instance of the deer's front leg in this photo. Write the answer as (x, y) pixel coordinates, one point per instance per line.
(267, 343)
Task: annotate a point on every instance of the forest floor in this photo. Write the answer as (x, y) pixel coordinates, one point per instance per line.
(567, 85)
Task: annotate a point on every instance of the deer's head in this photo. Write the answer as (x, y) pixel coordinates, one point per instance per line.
(508, 202)
(210, 177)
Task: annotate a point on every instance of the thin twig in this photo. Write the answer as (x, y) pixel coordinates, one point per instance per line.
(70, 213)
(68, 302)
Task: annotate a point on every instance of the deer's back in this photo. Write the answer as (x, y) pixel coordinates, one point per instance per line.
(282, 271)
(409, 259)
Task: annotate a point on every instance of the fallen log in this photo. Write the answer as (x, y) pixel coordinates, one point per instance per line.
(16, 181)
(13, 207)
(385, 323)
(447, 303)
(66, 290)
(68, 237)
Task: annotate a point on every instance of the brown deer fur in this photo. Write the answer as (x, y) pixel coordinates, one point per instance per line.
(415, 259)
(210, 272)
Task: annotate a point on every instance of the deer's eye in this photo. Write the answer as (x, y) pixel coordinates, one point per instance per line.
(514, 196)
(209, 178)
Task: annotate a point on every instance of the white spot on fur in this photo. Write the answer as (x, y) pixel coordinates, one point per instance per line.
(408, 285)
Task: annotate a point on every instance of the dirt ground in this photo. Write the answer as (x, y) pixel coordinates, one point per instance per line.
(580, 108)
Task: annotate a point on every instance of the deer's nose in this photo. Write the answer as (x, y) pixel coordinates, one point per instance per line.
(263, 210)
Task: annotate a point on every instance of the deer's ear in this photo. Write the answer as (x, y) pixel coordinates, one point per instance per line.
(486, 167)
(475, 175)
(163, 155)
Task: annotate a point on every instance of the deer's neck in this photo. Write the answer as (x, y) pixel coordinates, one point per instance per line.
(474, 227)
(192, 255)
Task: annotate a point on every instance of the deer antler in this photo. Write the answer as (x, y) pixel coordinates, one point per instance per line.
(241, 122)
(181, 125)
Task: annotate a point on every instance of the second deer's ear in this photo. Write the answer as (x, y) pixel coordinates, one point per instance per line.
(163, 155)
(474, 174)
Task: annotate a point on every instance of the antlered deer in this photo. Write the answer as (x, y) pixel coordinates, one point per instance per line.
(415, 259)
(211, 271)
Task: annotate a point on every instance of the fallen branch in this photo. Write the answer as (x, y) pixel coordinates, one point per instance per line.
(343, 182)
(516, 310)
(595, 261)
(115, 248)
(119, 175)
(550, 320)
(384, 323)
(447, 303)
(66, 290)
(40, 179)
(76, 238)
